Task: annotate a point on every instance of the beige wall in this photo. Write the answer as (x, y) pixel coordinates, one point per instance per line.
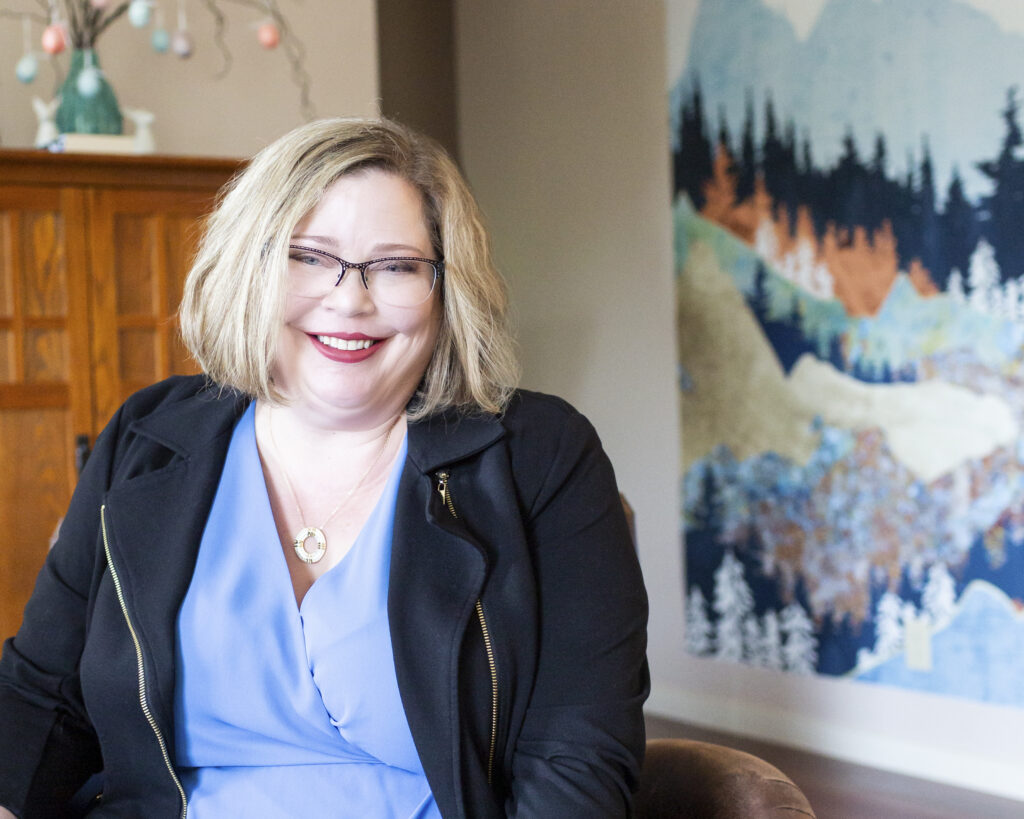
(564, 137)
(564, 140)
(565, 144)
(196, 113)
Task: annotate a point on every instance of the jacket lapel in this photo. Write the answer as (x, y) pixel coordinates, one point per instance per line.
(437, 573)
(154, 524)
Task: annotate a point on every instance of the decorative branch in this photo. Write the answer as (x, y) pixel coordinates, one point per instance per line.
(219, 28)
(296, 55)
(104, 24)
(295, 52)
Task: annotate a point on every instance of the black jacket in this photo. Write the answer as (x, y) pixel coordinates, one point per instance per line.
(516, 607)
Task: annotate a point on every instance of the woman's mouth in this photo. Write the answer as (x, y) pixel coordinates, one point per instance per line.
(346, 350)
(347, 343)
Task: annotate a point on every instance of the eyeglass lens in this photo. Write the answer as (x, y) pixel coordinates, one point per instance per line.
(396, 281)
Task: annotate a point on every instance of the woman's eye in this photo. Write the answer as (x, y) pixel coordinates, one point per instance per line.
(307, 259)
(396, 266)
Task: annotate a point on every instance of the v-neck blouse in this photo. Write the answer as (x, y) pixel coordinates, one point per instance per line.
(284, 710)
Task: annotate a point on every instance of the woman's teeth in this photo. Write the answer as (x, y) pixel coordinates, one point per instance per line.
(345, 343)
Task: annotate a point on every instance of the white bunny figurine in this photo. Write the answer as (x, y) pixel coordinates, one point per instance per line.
(46, 113)
(144, 142)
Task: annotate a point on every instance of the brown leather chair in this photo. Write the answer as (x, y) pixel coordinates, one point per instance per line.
(686, 779)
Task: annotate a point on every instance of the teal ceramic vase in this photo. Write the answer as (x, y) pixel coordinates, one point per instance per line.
(92, 112)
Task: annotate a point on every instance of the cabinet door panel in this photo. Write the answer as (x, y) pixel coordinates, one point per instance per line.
(45, 392)
(34, 492)
(45, 355)
(142, 245)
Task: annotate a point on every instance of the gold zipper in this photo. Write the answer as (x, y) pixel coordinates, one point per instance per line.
(143, 695)
(446, 497)
(494, 689)
(442, 488)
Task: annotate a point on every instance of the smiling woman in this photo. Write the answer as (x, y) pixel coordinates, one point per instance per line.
(366, 215)
(406, 560)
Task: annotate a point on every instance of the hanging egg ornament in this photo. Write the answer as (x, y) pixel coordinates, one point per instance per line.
(139, 13)
(27, 68)
(181, 44)
(268, 35)
(161, 40)
(54, 41)
(88, 82)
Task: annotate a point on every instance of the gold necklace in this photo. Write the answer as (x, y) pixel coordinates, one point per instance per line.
(317, 532)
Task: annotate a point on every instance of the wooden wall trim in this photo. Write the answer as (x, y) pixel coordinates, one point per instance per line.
(109, 171)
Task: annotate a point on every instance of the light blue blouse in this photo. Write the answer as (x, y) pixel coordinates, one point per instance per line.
(284, 710)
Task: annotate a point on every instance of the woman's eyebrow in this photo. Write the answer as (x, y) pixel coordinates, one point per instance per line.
(322, 240)
(398, 247)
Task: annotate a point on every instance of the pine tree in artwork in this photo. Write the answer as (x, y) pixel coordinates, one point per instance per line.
(955, 287)
(930, 248)
(901, 209)
(772, 154)
(1009, 301)
(850, 187)
(746, 170)
(1006, 204)
(877, 182)
(698, 626)
(733, 601)
(958, 226)
(939, 597)
(693, 159)
(724, 137)
(983, 278)
(888, 625)
(707, 511)
(778, 162)
(789, 192)
(800, 649)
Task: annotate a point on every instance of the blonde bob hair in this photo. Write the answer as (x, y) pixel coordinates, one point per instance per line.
(231, 312)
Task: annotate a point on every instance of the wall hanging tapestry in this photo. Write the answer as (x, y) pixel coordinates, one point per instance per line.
(849, 228)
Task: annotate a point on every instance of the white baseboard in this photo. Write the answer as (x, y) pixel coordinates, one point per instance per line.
(807, 732)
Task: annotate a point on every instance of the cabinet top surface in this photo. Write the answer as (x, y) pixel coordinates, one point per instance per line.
(129, 170)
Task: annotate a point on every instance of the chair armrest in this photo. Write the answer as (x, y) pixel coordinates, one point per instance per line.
(700, 780)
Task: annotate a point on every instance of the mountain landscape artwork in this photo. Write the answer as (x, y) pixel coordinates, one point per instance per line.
(849, 240)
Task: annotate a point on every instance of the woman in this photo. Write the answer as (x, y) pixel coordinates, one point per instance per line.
(350, 571)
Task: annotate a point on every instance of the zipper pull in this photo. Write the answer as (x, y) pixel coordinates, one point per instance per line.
(446, 496)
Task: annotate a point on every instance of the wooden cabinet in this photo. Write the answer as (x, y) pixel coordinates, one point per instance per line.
(93, 252)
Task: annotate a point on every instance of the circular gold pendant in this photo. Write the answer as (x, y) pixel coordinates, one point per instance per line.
(303, 553)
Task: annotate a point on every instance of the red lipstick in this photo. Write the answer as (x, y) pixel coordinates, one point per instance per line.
(346, 356)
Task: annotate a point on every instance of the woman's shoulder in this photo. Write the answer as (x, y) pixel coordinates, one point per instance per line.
(543, 431)
(182, 411)
(540, 414)
(176, 390)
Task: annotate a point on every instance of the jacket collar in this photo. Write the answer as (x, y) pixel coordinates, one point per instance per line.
(451, 436)
(189, 426)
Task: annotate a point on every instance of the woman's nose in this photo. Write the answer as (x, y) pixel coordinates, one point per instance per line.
(350, 295)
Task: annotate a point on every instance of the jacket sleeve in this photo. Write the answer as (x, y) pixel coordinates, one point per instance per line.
(582, 741)
(47, 746)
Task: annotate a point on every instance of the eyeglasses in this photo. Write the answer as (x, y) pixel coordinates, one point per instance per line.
(397, 281)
